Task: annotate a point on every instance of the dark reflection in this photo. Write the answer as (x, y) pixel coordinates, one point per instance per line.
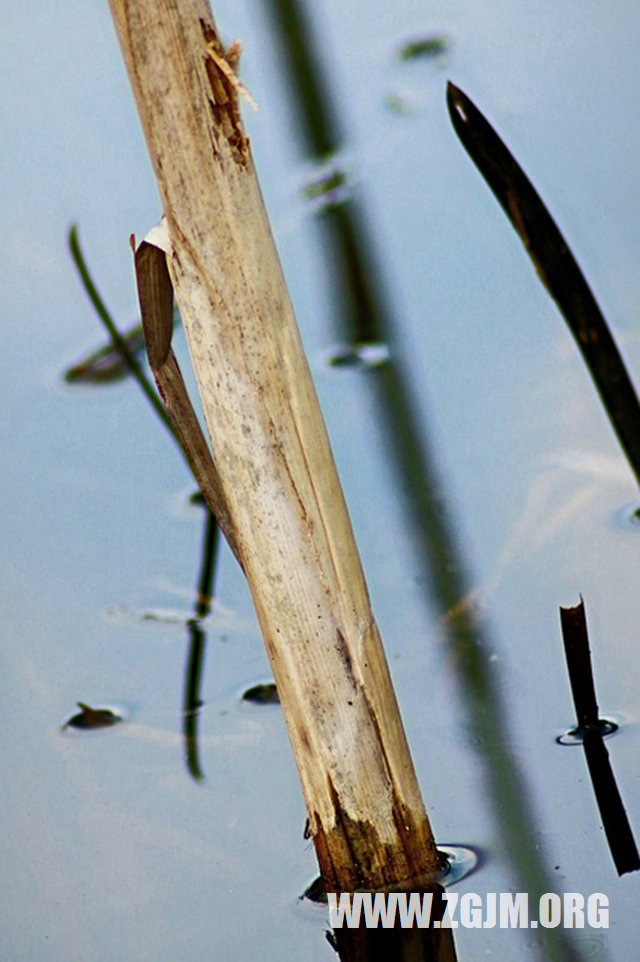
(556, 267)
(590, 730)
(614, 817)
(399, 945)
(364, 315)
(192, 702)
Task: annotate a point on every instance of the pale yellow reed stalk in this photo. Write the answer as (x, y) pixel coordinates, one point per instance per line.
(274, 481)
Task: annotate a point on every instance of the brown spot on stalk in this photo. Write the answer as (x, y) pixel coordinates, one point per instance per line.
(225, 88)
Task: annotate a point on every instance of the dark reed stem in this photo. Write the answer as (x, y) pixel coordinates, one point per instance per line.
(578, 654)
(556, 266)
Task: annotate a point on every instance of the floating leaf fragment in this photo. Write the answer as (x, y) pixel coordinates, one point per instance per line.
(93, 718)
(429, 47)
(263, 694)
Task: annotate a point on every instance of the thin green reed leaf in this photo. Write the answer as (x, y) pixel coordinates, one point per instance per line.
(556, 267)
(118, 340)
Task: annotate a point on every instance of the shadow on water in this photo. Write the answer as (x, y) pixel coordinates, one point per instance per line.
(366, 317)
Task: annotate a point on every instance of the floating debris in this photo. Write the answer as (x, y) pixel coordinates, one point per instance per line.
(315, 892)
(92, 718)
(263, 694)
(430, 47)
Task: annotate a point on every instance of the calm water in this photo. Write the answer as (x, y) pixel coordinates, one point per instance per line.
(477, 464)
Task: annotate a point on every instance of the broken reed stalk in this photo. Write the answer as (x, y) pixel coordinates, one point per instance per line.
(276, 472)
(578, 655)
